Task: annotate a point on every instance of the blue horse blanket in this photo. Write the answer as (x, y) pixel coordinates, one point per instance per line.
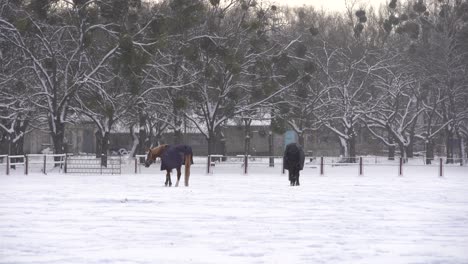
(174, 156)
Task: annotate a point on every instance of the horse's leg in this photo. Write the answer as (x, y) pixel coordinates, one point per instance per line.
(178, 177)
(168, 178)
(296, 177)
(293, 177)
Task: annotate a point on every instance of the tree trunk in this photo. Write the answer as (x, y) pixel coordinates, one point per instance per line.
(352, 148)
(391, 149)
(301, 139)
(156, 140)
(429, 151)
(58, 143)
(211, 140)
(343, 149)
(462, 151)
(102, 147)
(410, 146)
(221, 143)
(210, 145)
(105, 148)
(58, 138)
(178, 136)
(223, 148)
(460, 148)
(98, 135)
(449, 146)
(247, 138)
(20, 131)
(391, 152)
(402, 151)
(15, 148)
(135, 142)
(3, 144)
(143, 142)
(270, 149)
(409, 150)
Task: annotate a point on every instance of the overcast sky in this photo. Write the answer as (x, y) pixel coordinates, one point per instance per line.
(332, 5)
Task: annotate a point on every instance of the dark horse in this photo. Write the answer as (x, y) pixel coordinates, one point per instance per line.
(172, 157)
(293, 161)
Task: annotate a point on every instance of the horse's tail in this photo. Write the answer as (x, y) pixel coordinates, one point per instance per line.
(188, 162)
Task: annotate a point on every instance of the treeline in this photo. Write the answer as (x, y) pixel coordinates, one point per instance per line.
(153, 67)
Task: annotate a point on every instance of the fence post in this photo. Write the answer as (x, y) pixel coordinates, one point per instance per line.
(246, 163)
(8, 165)
(400, 167)
(360, 166)
(62, 162)
(208, 165)
(441, 168)
(26, 164)
(321, 166)
(45, 164)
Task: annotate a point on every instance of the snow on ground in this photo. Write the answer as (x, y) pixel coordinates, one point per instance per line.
(228, 217)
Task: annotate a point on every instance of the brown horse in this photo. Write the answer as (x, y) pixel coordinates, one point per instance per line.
(172, 157)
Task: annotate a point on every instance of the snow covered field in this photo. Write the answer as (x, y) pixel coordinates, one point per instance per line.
(228, 217)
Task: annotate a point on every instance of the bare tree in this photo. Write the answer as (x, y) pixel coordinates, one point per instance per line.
(16, 110)
(396, 110)
(54, 53)
(234, 53)
(437, 47)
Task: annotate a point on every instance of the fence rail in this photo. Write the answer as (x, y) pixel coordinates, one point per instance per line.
(43, 162)
(67, 163)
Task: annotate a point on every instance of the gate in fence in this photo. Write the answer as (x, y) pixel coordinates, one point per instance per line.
(93, 165)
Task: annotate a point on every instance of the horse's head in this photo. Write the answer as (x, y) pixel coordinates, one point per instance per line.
(154, 153)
